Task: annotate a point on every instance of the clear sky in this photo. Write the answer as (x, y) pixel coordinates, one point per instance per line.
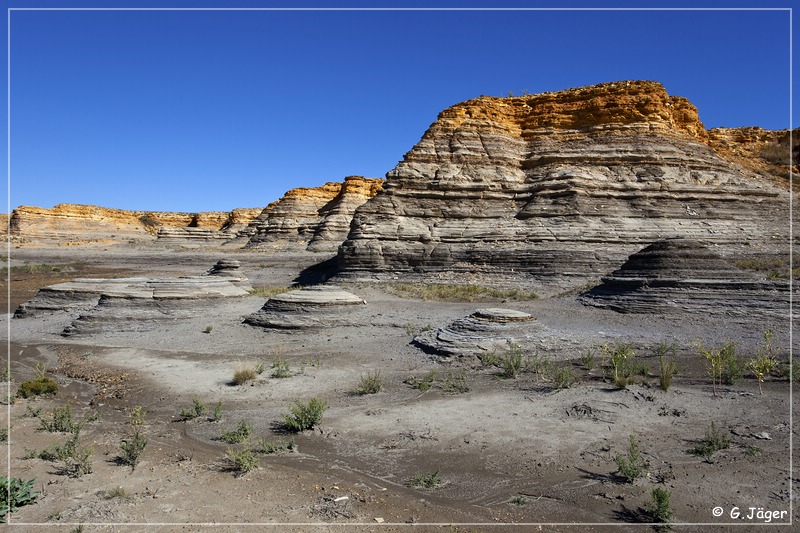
(212, 110)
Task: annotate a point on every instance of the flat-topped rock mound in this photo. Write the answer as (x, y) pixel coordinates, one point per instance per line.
(482, 332)
(558, 185)
(310, 307)
(132, 303)
(677, 275)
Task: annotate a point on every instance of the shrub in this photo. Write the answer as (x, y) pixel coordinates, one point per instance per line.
(588, 359)
(15, 494)
(76, 459)
(714, 361)
(563, 377)
(242, 432)
(208, 329)
(712, 442)
(217, 414)
(620, 365)
(455, 384)
(280, 369)
(303, 416)
(761, 366)
(41, 386)
(631, 465)
(190, 413)
(658, 509)
(369, 384)
(733, 366)
(61, 421)
(424, 383)
(132, 449)
(425, 480)
(266, 447)
(666, 367)
(244, 375)
(241, 461)
(519, 500)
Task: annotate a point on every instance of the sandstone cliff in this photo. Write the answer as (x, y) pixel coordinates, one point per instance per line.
(316, 217)
(765, 152)
(570, 182)
(77, 224)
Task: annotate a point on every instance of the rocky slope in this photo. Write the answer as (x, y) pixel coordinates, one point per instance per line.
(77, 224)
(765, 152)
(316, 217)
(559, 183)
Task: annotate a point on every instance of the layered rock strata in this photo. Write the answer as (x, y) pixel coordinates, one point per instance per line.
(684, 275)
(318, 218)
(135, 303)
(484, 331)
(566, 183)
(766, 152)
(71, 223)
(312, 307)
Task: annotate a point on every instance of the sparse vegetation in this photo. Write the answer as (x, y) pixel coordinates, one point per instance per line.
(563, 377)
(713, 441)
(621, 366)
(244, 375)
(455, 383)
(714, 360)
(457, 293)
(31, 269)
(15, 494)
(76, 459)
(241, 461)
(631, 465)
(658, 508)
(216, 415)
(772, 268)
(132, 448)
(280, 369)
(41, 386)
(117, 493)
(242, 432)
(588, 359)
(667, 366)
(425, 480)
(733, 366)
(370, 383)
(303, 416)
(265, 447)
(519, 500)
(190, 413)
(61, 421)
(424, 383)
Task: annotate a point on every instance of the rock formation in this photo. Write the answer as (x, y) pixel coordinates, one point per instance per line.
(566, 183)
(78, 224)
(312, 307)
(317, 218)
(684, 275)
(765, 152)
(484, 331)
(133, 303)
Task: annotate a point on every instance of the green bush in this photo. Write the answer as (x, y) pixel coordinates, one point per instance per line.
(76, 459)
(242, 432)
(131, 449)
(713, 441)
(425, 480)
(280, 369)
(197, 409)
(41, 386)
(15, 494)
(658, 509)
(631, 465)
(733, 366)
(241, 461)
(424, 383)
(369, 384)
(303, 416)
(667, 367)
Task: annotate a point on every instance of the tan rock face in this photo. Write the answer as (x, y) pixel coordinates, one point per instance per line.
(569, 182)
(765, 152)
(317, 217)
(66, 223)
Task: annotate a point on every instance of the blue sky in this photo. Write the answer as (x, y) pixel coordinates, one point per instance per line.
(212, 110)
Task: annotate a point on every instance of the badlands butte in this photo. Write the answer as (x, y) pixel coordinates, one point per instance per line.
(541, 281)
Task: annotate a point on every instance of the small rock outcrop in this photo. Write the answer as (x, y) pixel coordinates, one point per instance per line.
(685, 275)
(482, 332)
(311, 307)
(558, 184)
(135, 303)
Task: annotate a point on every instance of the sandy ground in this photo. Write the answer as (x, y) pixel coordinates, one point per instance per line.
(521, 440)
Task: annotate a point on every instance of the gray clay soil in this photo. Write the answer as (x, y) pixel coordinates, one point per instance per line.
(508, 451)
